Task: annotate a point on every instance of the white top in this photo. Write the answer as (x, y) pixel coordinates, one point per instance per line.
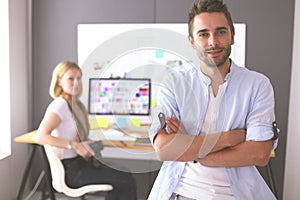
(201, 182)
(67, 128)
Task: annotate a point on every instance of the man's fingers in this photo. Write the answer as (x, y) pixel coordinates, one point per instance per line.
(172, 128)
(176, 122)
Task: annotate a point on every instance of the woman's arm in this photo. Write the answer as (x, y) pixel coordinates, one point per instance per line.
(48, 124)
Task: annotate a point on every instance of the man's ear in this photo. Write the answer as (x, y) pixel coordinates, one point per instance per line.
(232, 38)
(191, 39)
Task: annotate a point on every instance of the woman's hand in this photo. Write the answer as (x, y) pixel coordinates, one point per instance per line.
(83, 149)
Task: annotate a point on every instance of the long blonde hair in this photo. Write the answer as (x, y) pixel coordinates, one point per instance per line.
(61, 68)
(77, 108)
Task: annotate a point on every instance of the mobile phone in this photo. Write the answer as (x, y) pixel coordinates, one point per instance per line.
(162, 120)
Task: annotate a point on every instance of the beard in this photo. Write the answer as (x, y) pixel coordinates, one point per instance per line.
(211, 62)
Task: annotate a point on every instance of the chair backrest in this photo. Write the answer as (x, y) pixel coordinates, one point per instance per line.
(58, 176)
(56, 167)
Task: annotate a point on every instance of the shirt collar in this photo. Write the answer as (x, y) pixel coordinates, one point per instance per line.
(206, 79)
(231, 70)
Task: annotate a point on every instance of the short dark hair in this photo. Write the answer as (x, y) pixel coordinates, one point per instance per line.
(202, 6)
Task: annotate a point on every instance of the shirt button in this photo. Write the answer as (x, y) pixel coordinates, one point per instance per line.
(212, 190)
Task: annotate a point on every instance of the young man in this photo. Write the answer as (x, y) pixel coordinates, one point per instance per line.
(221, 124)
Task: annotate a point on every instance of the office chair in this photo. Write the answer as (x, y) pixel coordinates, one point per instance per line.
(58, 177)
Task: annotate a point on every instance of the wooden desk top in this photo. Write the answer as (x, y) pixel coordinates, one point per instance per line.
(272, 155)
(27, 138)
(30, 139)
(125, 144)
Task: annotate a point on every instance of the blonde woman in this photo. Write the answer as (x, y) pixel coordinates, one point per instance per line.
(65, 125)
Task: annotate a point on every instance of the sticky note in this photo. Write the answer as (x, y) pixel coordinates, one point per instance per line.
(102, 122)
(94, 124)
(153, 102)
(136, 122)
(159, 53)
(121, 122)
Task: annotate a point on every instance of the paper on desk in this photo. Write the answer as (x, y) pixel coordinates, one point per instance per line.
(110, 134)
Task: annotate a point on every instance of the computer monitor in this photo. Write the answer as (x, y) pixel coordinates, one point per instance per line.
(126, 96)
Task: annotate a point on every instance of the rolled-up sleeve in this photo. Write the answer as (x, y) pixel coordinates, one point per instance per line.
(166, 104)
(261, 114)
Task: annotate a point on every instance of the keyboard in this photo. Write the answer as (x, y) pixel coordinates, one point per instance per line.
(145, 141)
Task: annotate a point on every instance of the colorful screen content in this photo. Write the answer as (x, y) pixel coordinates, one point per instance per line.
(119, 96)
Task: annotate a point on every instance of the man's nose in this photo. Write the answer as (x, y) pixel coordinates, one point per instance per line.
(213, 40)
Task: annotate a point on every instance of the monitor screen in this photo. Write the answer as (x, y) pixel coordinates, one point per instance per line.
(128, 96)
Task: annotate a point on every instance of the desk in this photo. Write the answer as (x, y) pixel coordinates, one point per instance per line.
(125, 150)
(29, 139)
(270, 175)
(112, 148)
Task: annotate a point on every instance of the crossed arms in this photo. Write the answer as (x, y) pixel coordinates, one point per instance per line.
(225, 149)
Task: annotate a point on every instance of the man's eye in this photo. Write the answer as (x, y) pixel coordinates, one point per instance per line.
(203, 35)
(221, 32)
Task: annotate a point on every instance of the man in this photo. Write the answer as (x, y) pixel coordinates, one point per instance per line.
(219, 119)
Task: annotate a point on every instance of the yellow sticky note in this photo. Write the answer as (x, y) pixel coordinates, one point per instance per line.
(135, 122)
(102, 122)
(94, 124)
(153, 102)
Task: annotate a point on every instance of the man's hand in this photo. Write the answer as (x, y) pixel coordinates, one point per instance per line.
(174, 126)
(178, 145)
(219, 141)
(227, 139)
(233, 137)
(244, 154)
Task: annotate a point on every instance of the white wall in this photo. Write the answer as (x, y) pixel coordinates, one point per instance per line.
(12, 167)
(292, 164)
